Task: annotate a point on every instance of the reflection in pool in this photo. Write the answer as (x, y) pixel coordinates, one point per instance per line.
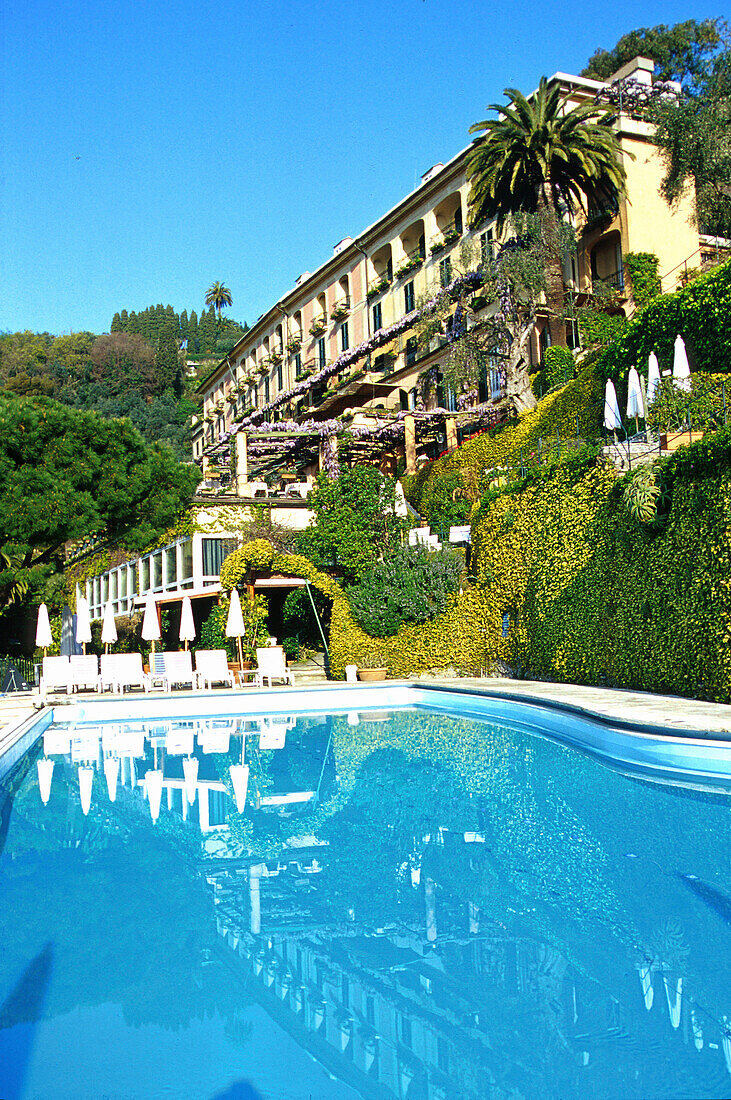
(409, 905)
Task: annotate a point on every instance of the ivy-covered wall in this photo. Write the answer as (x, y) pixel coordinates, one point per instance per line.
(593, 595)
(576, 408)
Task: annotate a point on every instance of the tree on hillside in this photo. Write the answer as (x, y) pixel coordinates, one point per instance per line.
(218, 296)
(354, 522)
(682, 52)
(65, 474)
(122, 361)
(693, 135)
(542, 157)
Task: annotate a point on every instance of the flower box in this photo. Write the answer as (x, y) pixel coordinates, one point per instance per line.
(410, 265)
(339, 311)
(378, 287)
(294, 345)
(317, 327)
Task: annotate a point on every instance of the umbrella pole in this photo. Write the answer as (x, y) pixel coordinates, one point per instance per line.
(241, 655)
(185, 643)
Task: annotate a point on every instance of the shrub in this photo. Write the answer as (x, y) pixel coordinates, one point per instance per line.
(412, 586)
(669, 411)
(558, 367)
(642, 270)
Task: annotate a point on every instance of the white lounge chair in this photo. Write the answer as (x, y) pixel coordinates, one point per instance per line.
(211, 667)
(179, 668)
(271, 664)
(55, 675)
(84, 672)
(122, 670)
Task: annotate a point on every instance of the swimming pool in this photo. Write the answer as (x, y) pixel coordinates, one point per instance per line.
(427, 895)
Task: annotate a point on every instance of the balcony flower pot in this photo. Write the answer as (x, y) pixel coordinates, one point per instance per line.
(294, 345)
(371, 675)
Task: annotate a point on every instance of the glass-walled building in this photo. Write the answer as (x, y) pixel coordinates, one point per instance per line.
(190, 566)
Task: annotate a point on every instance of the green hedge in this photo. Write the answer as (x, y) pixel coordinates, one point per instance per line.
(459, 475)
(699, 313)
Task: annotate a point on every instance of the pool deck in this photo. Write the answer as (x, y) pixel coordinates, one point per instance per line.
(688, 716)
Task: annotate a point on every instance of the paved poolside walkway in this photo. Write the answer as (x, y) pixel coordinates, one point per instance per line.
(691, 715)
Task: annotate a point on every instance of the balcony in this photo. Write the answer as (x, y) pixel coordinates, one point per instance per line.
(412, 263)
(377, 286)
(600, 216)
(340, 310)
(613, 283)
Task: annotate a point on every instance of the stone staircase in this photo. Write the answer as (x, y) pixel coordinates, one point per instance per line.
(311, 671)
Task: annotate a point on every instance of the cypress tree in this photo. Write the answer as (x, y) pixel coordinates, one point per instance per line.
(193, 334)
(133, 325)
(124, 321)
(116, 325)
(183, 322)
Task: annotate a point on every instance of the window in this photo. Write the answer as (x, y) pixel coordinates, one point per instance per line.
(484, 249)
(405, 1030)
(458, 219)
(187, 560)
(321, 352)
(377, 317)
(345, 991)
(267, 389)
(279, 376)
(409, 297)
(297, 365)
(344, 338)
(389, 269)
(370, 1010)
(411, 350)
(445, 271)
(214, 551)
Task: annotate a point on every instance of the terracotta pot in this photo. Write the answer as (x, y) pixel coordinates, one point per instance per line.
(371, 674)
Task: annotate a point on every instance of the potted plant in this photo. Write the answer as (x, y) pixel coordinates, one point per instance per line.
(317, 327)
(294, 345)
(372, 667)
(339, 310)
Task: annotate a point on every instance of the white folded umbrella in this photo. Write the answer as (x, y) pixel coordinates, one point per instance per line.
(45, 775)
(86, 778)
(44, 638)
(235, 627)
(612, 417)
(83, 621)
(109, 627)
(634, 394)
(653, 377)
(681, 366)
(187, 623)
(150, 622)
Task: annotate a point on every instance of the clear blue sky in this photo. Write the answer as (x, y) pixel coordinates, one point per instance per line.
(149, 148)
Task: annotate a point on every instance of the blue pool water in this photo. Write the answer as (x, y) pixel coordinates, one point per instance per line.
(409, 905)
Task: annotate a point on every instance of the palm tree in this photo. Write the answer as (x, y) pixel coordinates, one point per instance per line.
(218, 296)
(543, 157)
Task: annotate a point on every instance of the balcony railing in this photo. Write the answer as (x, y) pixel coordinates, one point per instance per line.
(615, 281)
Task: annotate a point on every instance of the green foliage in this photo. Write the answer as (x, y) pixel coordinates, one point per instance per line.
(65, 475)
(410, 586)
(641, 494)
(598, 327)
(510, 444)
(445, 505)
(680, 52)
(355, 521)
(672, 404)
(699, 313)
(558, 367)
(254, 610)
(642, 270)
(693, 136)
